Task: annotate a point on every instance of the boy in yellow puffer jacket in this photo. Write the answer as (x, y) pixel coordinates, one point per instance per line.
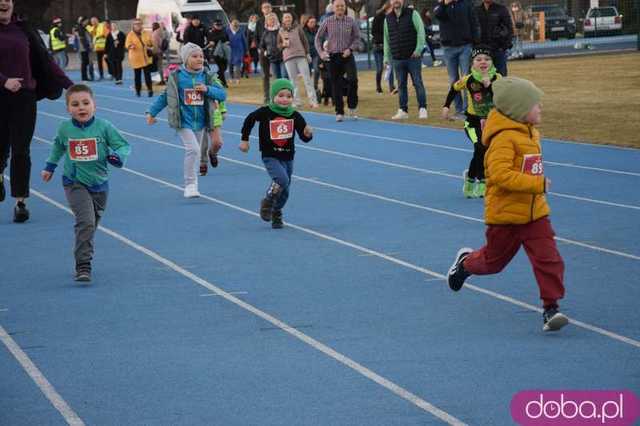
(516, 210)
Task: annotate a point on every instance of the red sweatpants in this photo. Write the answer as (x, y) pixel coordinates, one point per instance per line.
(504, 241)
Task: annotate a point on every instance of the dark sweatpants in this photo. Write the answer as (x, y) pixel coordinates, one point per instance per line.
(88, 208)
(338, 66)
(504, 241)
(17, 123)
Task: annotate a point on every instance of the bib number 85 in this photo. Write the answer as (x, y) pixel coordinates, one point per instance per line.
(81, 150)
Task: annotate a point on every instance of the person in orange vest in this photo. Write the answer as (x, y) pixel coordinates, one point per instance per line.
(99, 32)
(139, 44)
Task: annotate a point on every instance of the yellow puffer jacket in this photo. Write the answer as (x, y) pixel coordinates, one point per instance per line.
(513, 197)
(138, 50)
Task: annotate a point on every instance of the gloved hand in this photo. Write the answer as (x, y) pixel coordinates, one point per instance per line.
(114, 160)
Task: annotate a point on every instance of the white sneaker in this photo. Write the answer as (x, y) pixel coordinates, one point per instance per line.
(352, 114)
(400, 115)
(339, 118)
(191, 191)
(423, 114)
(437, 63)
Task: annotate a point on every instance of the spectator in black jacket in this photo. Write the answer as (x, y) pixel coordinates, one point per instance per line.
(377, 33)
(496, 31)
(115, 51)
(428, 29)
(458, 32)
(196, 33)
(215, 51)
(253, 42)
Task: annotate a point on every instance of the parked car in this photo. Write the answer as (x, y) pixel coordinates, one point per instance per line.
(366, 39)
(602, 21)
(556, 21)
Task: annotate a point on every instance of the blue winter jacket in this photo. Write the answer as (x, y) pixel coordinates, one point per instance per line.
(194, 117)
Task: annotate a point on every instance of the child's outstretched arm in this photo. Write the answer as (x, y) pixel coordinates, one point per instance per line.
(118, 145)
(304, 131)
(158, 105)
(453, 91)
(247, 127)
(57, 151)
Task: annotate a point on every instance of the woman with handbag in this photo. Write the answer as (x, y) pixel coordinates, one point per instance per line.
(139, 45)
(269, 45)
(296, 57)
(28, 73)
(115, 51)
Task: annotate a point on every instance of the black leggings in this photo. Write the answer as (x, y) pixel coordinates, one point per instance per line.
(100, 60)
(137, 72)
(17, 123)
(116, 66)
(222, 67)
(476, 165)
(86, 66)
(338, 66)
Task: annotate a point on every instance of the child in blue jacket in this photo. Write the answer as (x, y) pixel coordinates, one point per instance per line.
(190, 97)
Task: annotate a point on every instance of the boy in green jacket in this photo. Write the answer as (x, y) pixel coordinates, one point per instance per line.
(87, 144)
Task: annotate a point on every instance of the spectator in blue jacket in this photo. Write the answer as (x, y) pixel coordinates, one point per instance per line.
(459, 31)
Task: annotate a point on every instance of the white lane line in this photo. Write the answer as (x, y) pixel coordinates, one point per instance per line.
(590, 200)
(316, 181)
(385, 163)
(217, 295)
(343, 359)
(394, 123)
(40, 380)
(412, 142)
(388, 258)
(591, 168)
(4, 310)
(393, 253)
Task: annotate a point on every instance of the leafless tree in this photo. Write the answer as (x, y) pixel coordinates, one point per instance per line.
(356, 5)
(238, 8)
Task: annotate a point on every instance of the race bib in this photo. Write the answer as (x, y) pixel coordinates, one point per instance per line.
(83, 149)
(532, 164)
(281, 130)
(193, 98)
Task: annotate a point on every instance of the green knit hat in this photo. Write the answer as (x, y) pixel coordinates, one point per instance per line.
(278, 85)
(514, 97)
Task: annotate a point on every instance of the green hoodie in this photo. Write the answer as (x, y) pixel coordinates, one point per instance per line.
(93, 171)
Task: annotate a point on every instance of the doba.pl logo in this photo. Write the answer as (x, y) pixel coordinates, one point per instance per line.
(572, 408)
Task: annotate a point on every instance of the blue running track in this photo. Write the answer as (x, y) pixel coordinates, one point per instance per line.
(200, 314)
